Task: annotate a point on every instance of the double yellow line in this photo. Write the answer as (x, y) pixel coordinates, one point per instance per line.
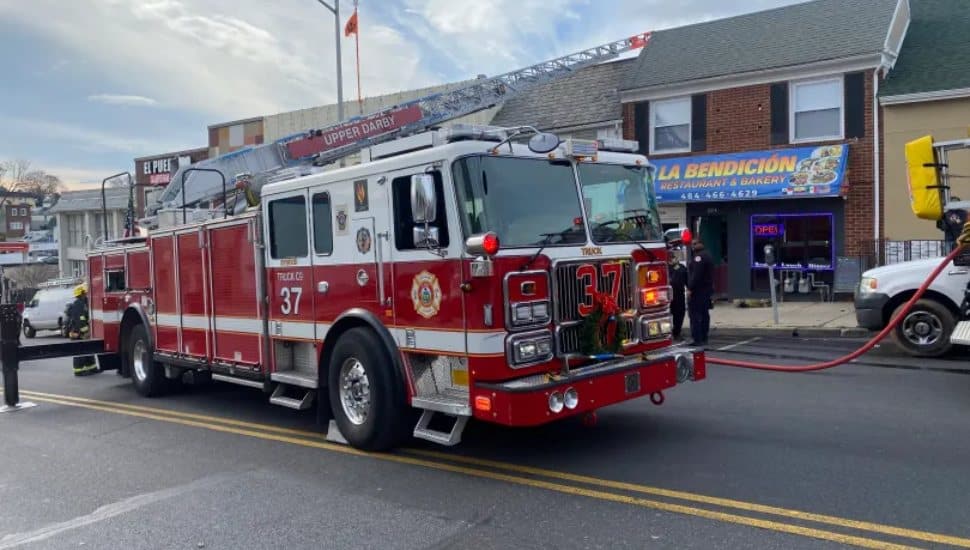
(783, 520)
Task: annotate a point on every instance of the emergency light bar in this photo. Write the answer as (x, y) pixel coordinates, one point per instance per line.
(458, 132)
(578, 148)
(618, 145)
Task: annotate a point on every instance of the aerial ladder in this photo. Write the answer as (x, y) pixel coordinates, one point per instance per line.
(306, 152)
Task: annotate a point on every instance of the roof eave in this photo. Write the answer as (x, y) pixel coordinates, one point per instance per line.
(924, 97)
(764, 76)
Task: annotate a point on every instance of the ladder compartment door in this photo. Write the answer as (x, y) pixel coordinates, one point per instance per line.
(165, 285)
(236, 312)
(193, 280)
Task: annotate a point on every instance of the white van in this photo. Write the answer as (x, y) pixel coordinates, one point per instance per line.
(45, 311)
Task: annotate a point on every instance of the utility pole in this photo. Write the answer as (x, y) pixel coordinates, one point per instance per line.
(335, 9)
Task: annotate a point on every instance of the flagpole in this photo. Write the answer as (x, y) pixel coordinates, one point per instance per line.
(360, 100)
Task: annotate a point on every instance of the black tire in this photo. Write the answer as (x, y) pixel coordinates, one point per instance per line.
(29, 331)
(382, 425)
(925, 329)
(147, 375)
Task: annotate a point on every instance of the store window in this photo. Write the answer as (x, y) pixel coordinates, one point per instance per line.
(670, 125)
(816, 112)
(804, 248)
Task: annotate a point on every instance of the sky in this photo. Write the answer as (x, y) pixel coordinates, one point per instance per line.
(89, 85)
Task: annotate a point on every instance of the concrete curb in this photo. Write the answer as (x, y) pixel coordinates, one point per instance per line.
(807, 332)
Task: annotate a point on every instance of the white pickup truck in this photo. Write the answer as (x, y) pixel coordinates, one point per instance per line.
(926, 329)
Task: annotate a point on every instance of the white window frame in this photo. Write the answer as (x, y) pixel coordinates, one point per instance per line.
(792, 85)
(653, 133)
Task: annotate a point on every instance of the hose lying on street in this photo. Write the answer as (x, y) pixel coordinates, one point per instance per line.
(962, 242)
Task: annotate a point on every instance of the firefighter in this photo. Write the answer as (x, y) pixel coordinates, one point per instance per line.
(678, 282)
(77, 328)
(700, 293)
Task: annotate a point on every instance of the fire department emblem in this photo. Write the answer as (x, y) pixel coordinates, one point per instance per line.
(341, 219)
(363, 240)
(426, 294)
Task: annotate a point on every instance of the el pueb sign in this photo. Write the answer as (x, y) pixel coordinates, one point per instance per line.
(779, 173)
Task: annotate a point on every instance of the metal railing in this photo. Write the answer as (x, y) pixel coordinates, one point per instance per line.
(889, 252)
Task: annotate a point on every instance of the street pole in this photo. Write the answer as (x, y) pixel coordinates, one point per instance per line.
(335, 9)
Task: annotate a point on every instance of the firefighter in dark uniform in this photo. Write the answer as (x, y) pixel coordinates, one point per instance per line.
(678, 282)
(700, 288)
(78, 328)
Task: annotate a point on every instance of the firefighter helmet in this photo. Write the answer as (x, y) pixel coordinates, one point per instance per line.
(80, 290)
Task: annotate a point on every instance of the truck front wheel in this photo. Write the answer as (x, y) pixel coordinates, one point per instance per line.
(147, 375)
(924, 330)
(365, 396)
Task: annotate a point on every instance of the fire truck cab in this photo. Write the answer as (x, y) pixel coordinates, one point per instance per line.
(456, 273)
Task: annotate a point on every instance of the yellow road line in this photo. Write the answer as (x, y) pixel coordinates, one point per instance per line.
(693, 497)
(564, 476)
(538, 484)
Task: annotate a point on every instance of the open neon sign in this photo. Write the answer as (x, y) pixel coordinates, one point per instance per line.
(768, 229)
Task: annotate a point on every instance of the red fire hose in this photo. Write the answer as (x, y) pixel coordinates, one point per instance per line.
(855, 354)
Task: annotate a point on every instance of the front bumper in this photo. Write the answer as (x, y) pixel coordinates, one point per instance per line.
(869, 310)
(525, 401)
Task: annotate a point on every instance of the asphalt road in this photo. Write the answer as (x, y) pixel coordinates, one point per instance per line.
(870, 454)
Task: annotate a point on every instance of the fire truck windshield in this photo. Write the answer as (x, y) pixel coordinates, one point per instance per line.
(526, 202)
(533, 202)
(620, 202)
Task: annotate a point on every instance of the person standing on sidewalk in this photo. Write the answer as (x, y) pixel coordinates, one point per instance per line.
(678, 283)
(700, 289)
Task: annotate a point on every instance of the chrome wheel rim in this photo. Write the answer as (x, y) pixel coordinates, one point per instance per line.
(922, 328)
(138, 359)
(354, 391)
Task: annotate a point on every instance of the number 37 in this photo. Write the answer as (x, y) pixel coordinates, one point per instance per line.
(291, 300)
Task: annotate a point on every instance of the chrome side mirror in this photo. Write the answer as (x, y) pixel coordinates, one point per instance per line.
(424, 201)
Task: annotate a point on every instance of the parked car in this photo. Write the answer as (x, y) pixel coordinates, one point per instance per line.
(45, 311)
(925, 330)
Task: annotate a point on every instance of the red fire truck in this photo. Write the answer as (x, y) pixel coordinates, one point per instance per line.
(455, 273)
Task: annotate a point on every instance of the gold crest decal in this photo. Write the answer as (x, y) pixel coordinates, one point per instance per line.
(426, 294)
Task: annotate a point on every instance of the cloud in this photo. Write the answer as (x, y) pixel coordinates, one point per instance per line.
(83, 139)
(129, 100)
(225, 59)
(74, 177)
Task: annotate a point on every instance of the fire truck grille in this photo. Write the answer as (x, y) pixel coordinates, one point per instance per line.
(571, 291)
(569, 338)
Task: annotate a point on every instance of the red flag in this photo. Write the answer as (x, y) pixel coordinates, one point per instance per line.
(351, 26)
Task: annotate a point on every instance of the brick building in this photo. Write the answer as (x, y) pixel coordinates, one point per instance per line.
(153, 173)
(763, 132)
(16, 218)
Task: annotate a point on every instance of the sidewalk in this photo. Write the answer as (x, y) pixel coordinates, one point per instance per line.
(808, 318)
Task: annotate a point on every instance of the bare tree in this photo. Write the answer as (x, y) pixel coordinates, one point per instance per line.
(17, 175)
(31, 275)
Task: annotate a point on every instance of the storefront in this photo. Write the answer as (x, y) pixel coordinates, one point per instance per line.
(791, 199)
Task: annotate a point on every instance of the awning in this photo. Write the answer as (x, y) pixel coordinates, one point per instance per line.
(802, 172)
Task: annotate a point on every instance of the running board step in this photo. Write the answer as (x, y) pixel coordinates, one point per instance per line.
(279, 398)
(961, 334)
(422, 431)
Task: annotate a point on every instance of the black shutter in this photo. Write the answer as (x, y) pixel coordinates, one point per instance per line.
(855, 105)
(779, 113)
(641, 125)
(698, 118)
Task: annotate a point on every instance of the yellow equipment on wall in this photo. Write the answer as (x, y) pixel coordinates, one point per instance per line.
(923, 178)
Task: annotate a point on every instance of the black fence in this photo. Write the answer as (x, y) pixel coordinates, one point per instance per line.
(889, 252)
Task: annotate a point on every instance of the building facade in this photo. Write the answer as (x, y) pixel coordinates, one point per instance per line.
(17, 216)
(927, 94)
(81, 224)
(769, 138)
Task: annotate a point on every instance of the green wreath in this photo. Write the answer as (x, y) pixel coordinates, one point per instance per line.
(603, 330)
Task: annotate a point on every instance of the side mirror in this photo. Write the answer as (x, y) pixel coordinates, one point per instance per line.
(423, 198)
(543, 143)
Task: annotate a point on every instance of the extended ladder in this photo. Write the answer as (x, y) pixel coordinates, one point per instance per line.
(296, 154)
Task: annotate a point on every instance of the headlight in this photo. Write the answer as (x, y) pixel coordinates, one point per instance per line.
(533, 313)
(868, 284)
(655, 328)
(530, 348)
